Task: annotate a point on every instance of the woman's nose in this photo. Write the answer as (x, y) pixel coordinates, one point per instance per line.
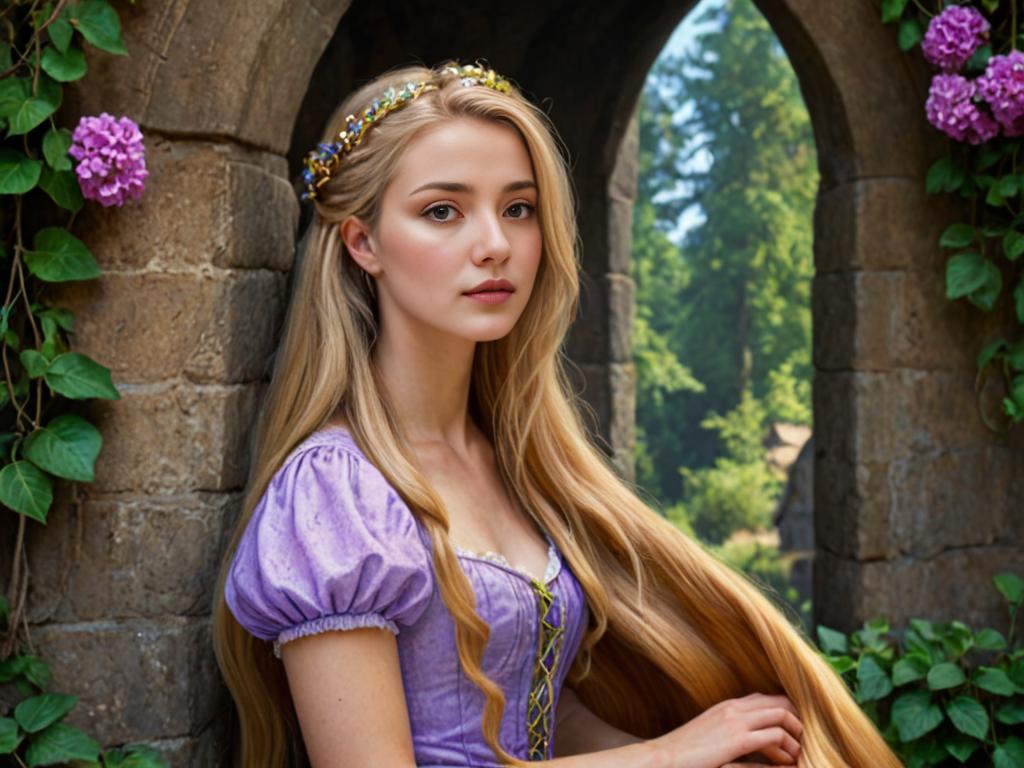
(491, 241)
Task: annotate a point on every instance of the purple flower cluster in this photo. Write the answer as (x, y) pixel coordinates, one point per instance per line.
(1002, 86)
(112, 164)
(953, 36)
(971, 110)
(952, 109)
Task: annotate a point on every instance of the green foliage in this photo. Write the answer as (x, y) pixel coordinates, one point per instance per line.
(40, 437)
(726, 307)
(984, 267)
(940, 693)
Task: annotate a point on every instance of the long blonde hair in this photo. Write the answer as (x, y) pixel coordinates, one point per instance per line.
(673, 630)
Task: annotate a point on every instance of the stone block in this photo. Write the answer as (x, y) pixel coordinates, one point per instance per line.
(894, 319)
(603, 331)
(175, 438)
(149, 327)
(880, 224)
(128, 556)
(211, 68)
(205, 204)
(136, 679)
(956, 584)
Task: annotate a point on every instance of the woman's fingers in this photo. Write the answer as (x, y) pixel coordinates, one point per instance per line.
(775, 743)
(777, 716)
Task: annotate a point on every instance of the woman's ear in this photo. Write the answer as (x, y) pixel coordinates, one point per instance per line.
(359, 241)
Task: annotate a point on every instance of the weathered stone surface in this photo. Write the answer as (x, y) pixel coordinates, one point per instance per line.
(136, 679)
(175, 438)
(604, 329)
(954, 584)
(878, 224)
(205, 205)
(878, 416)
(895, 319)
(129, 556)
(209, 749)
(211, 326)
(204, 68)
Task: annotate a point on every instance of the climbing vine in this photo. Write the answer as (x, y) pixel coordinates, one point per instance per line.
(976, 98)
(47, 172)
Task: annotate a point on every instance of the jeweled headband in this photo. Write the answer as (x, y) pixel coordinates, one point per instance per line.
(320, 164)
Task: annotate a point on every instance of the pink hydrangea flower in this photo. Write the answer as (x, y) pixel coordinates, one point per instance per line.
(112, 163)
(1002, 86)
(952, 108)
(953, 36)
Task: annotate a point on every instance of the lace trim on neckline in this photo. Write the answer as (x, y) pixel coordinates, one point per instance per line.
(500, 559)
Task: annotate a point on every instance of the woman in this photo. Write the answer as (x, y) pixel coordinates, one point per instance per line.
(422, 480)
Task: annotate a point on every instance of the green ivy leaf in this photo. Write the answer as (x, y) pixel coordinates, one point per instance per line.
(37, 671)
(1013, 244)
(60, 31)
(60, 256)
(915, 715)
(911, 667)
(957, 236)
(1018, 300)
(5, 56)
(1009, 754)
(892, 10)
(38, 712)
(18, 173)
(1008, 185)
(31, 110)
(79, 377)
(985, 297)
(965, 273)
(959, 746)
(1010, 586)
(35, 364)
(1015, 355)
(968, 716)
(980, 58)
(135, 756)
(66, 66)
(990, 640)
(945, 675)
(99, 24)
(56, 143)
(994, 680)
(60, 743)
(990, 351)
(62, 187)
(939, 175)
(25, 489)
(910, 34)
(841, 664)
(1011, 713)
(10, 738)
(873, 681)
(65, 318)
(66, 447)
(831, 641)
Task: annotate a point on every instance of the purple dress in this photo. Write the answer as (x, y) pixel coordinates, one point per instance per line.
(331, 545)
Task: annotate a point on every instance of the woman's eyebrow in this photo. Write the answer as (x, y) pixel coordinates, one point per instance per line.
(456, 186)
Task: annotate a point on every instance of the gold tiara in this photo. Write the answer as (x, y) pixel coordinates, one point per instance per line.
(322, 162)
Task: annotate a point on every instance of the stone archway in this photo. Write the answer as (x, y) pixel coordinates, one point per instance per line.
(912, 494)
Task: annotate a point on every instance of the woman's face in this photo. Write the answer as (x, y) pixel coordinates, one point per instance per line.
(461, 209)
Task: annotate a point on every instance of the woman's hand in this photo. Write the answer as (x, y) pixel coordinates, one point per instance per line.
(755, 725)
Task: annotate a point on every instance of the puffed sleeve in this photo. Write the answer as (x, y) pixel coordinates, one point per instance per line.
(330, 545)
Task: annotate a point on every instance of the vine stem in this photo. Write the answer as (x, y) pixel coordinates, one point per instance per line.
(923, 10)
(18, 592)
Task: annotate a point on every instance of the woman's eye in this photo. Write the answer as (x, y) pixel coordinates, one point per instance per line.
(442, 210)
(520, 210)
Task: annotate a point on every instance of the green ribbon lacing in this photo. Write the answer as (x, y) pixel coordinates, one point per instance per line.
(542, 689)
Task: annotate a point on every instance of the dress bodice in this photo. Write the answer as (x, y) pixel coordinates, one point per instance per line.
(331, 545)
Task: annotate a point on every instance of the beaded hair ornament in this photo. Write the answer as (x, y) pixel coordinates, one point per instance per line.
(321, 164)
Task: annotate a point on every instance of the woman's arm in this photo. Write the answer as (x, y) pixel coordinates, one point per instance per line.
(579, 731)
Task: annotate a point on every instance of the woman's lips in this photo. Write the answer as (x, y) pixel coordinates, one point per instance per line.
(490, 297)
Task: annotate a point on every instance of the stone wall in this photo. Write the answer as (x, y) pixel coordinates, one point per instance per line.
(912, 496)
